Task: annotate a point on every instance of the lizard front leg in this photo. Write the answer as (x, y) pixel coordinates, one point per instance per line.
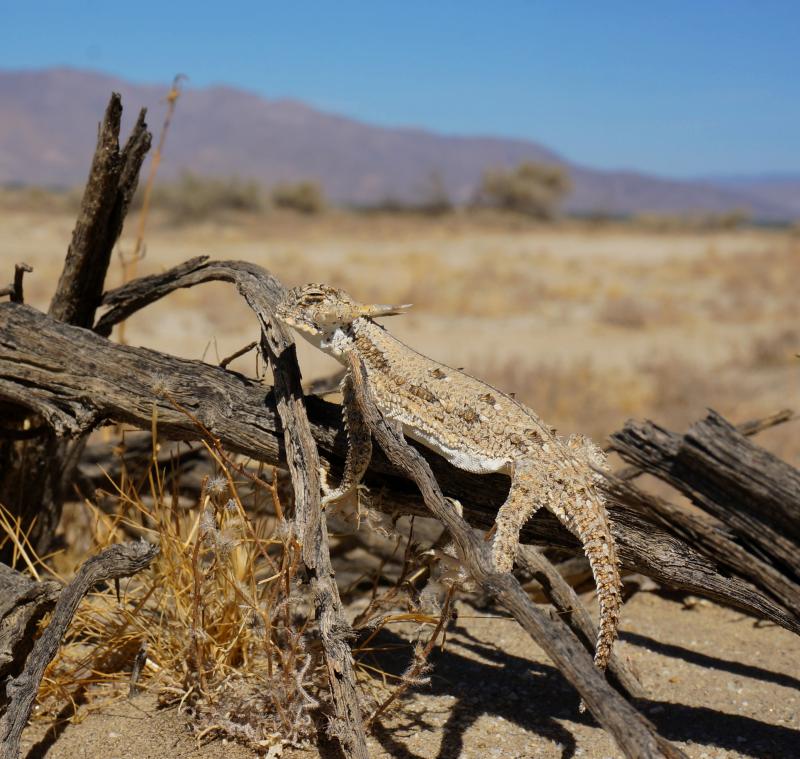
(359, 445)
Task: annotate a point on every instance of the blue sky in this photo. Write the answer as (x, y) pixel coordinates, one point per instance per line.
(679, 88)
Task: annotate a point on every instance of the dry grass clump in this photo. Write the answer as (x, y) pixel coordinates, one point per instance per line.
(584, 397)
(25, 198)
(723, 221)
(777, 348)
(623, 312)
(223, 615)
(220, 614)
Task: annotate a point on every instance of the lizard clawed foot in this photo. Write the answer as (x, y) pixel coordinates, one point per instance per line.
(332, 495)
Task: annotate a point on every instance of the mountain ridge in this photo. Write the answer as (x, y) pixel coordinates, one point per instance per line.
(47, 131)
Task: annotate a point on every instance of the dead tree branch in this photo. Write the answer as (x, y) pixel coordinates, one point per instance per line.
(754, 494)
(113, 179)
(114, 563)
(566, 601)
(35, 473)
(23, 603)
(303, 462)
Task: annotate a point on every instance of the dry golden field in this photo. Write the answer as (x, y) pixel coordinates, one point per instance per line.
(588, 325)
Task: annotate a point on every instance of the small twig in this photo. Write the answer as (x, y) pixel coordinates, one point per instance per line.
(19, 273)
(138, 663)
(129, 263)
(122, 560)
(236, 354)
(561, 594)
(418, 666)
(14, 290)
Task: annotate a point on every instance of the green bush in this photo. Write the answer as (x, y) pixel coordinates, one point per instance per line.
(532, 189)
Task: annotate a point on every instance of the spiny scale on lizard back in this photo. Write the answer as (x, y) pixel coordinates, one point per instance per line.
(455, 408)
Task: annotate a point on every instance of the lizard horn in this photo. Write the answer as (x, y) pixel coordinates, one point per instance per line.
(381, 309)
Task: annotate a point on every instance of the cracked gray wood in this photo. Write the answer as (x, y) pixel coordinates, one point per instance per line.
(35, 473)
(116, 562)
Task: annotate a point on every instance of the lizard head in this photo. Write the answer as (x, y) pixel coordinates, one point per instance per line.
(319, 312)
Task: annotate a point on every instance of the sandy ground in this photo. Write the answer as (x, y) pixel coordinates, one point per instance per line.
(718, 685)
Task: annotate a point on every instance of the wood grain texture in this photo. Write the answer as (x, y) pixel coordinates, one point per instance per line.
(752, 491)
(114, 563)
(23, 603)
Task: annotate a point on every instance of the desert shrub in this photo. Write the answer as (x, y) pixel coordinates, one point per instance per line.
(775, 348)
(532, 189)
(724, 221)
(304, 197)
(623, 312)
(192, 197)
(434, 198)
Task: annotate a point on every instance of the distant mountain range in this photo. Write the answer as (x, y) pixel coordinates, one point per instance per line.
(48, 122)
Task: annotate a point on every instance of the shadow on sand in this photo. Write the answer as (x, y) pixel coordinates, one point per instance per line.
(536, 697)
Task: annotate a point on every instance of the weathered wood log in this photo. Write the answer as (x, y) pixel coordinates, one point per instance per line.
(23, 603)
(635, 735)
(35, 472)
(113, 178)
(566, 601)
(713, 542)
(114, 563)
(752, 492)
(748, 428)
(102, 382)
(302, 458)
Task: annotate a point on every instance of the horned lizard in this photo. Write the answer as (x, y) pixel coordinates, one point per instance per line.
(471, 424)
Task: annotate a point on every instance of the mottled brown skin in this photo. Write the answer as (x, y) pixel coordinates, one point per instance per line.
(474, 426)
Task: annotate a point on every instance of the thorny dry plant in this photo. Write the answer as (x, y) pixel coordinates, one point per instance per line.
(222, 616)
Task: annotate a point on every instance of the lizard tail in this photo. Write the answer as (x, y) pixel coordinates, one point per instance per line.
(591, 526)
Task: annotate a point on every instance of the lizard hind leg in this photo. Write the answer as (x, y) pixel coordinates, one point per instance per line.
(520, 505)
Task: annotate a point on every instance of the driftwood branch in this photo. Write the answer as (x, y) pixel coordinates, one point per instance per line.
(634, 734)
(114, 563)
(35, 473)
(752, 497)
(749, 428)
(303, 462)
(112, 182)
(102, 382)
(566, 601)
(755, 493)
(23, 603)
